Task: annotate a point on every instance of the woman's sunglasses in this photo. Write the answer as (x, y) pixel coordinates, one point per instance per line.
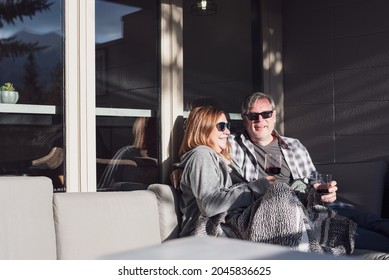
(255, 116)
(221, 126)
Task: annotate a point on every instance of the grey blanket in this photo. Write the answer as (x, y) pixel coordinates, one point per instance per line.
(288, 216)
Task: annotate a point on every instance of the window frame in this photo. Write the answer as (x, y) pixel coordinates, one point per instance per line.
(80, 130)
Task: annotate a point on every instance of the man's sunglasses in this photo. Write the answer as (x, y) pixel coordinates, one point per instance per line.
(255, 116)
(221, 126)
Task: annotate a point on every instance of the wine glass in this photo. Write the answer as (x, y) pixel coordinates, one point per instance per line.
(273, 164)
(324, 180)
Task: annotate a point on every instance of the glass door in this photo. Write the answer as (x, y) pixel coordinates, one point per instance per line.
(127, 94)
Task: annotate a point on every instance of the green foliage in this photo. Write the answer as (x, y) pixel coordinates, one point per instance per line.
(7, 87)
(10, 10)
(12, 48)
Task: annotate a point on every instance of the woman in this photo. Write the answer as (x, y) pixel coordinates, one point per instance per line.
(205, 182)
(215, 201)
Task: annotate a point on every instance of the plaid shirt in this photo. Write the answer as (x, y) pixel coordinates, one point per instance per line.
(295, 154)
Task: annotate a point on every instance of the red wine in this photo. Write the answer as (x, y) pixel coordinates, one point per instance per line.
(273, 170)
(322, 191)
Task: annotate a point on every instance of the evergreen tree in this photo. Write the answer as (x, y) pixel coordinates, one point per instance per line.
(32, 92)
(54, 92)
(12, 10)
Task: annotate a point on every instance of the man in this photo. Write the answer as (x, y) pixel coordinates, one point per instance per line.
(248, 150)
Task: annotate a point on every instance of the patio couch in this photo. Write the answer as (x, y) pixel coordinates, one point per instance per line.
(36, 223)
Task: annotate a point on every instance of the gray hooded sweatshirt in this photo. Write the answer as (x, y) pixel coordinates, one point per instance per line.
(207, 188)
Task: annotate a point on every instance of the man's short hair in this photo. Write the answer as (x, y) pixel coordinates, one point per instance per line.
(252, 98)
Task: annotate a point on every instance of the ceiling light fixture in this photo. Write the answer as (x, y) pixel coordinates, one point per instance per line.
(203, 8)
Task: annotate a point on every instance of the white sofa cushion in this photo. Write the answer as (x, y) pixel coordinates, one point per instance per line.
(93, 225)
(26, 218)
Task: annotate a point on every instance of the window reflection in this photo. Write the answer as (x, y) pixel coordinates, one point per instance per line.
(127, 67)
(135, 166)
(31, 58)
(31, 55)
(127, 77)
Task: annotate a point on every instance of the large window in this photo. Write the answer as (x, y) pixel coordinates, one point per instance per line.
(127, 94)
(104, 85)
(31, 59)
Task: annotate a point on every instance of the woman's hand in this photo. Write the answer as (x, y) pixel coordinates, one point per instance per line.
(331, 195)
(271, 180)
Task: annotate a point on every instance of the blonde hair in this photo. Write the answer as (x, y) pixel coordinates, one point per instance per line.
(199, 125)
(139, 132)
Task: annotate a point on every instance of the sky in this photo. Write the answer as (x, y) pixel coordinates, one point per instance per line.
(108, 21)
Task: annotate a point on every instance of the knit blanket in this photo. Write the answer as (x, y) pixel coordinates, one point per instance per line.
(289, 216)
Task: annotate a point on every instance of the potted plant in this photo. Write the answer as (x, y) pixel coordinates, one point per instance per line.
(8, 94)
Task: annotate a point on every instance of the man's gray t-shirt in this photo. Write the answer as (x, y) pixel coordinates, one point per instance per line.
(272, 148)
